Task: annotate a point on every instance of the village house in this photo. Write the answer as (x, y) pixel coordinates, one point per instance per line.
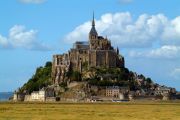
(112, 91)
(162, 90)
(38, 95)
(45, 94)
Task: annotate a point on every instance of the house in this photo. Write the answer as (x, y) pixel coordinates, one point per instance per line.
(112, 91)
(38, 95)
(161, 90)
(35, 96)
(45, 94)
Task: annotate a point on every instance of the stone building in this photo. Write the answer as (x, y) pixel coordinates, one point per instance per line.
(162, 90)
(112, 91)
(38, 95)
(45, 94)
(97, 52)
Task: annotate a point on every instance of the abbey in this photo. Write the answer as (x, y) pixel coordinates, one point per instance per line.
(97, 52)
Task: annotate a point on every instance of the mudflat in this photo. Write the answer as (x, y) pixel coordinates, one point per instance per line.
(90, 111)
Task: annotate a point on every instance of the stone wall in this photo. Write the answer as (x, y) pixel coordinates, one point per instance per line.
(60, 65)
(27, 98)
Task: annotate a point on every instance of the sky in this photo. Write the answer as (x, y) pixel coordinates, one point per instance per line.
(147, 33)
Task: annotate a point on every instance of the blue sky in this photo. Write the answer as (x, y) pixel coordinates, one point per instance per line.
(146, 31)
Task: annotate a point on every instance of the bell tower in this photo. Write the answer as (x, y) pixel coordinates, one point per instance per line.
(93, 33)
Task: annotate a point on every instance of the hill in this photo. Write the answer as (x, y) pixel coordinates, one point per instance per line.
(41, 78)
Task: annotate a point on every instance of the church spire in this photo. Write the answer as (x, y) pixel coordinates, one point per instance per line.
(93, 33)
(93, 21)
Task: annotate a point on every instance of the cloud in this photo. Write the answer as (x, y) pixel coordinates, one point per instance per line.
(126, 32)
(171, 34)
(164, 52)
(32, 1)
(3, 42)
(79, 34)
(19, 37)
(176, 73)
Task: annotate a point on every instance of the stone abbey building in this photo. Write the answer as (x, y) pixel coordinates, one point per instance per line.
(97, 52)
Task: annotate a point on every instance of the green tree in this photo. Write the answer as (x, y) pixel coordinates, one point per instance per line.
(40, 79)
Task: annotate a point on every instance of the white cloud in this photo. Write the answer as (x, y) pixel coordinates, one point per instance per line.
(32, 1)
(79, 34)
(176, 73)
(3, 42)
(124, 31)
(19, 37)
(171, 34)
(164, 52)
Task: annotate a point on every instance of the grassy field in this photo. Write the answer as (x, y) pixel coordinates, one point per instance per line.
(91, 111)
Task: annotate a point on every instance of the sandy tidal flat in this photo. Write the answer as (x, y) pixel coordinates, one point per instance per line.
(91, 111)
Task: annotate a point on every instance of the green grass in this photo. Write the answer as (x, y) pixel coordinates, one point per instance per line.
(90, 111)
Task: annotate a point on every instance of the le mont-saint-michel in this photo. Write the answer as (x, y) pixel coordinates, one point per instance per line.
(91, 71)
